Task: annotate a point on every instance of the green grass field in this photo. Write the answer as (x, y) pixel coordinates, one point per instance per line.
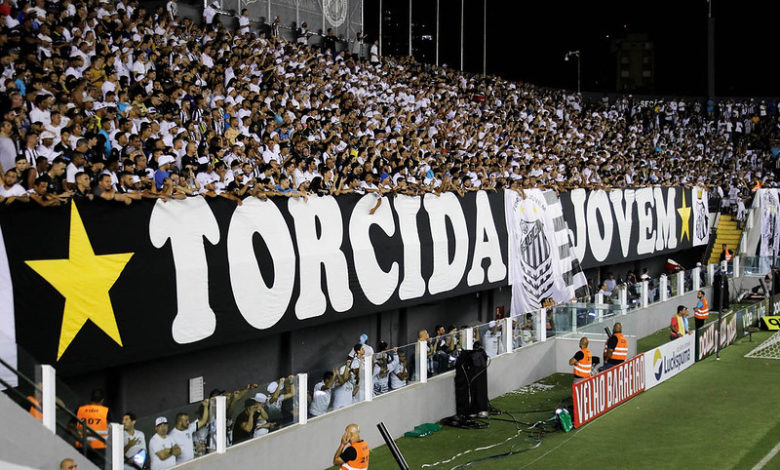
(715, 415)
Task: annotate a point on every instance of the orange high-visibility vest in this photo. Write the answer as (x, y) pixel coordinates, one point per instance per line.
(703, 312)
(96, 417)
(35, 412)
(582, 367)
(621, 350)
(728, 255)
(359, 462)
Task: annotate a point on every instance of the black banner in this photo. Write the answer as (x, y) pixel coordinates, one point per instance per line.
(630, 224)
(98, 284)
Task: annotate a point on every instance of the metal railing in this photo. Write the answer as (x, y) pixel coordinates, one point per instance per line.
(83, 431)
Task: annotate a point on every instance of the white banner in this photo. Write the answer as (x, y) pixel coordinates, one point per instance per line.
(540, 259)
(701, 210)
(770, 222)
(669, 360)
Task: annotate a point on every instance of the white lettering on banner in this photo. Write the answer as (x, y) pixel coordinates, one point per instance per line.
(625, 219)
(261, 305)
(446, 274)
(646, 242)
(377, 285)
(706, 342)
(185, 222)
(728, 330)
(668, 360)
(596, 213)
(604, 391)
(486, 245)
(666, 215)
(413, 284)
(580, 245)
(319, 238)
(598, 207)
(315, 250)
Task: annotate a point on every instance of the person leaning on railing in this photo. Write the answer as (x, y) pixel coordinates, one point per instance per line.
(95, 415)
(678, 325)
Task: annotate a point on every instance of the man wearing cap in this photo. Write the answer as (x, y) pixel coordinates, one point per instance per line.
(46, 147)
(280, 395)
(162, 449)
(252, 421)
(163, 164)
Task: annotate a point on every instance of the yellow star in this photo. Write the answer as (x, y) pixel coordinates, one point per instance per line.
(685, 215)
(84, 280)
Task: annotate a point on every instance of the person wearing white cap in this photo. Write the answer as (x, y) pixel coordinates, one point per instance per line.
(46, 147)
(344, 389)
(162, 449)
(279, 392)
(163, 164)
(209, 12)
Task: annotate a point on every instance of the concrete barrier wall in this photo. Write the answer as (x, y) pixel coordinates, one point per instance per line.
(24, 442)
(401, 410)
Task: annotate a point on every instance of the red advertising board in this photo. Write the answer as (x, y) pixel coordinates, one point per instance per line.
(606, 390)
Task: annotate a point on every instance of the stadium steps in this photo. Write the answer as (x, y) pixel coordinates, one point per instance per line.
(727, 233)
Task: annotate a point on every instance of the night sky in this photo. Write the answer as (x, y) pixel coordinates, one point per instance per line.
(527, 41)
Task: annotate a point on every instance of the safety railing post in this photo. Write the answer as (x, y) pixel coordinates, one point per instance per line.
(49, 397)
(367, 377)
(508, 327)
(221, 421)
(422, 361)
(303, 402)
(663, 285)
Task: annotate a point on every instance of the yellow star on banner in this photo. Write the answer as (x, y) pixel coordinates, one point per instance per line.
(685, 215)
(84, 280)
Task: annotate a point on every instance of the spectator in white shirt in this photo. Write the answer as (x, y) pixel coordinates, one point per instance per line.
(162, 449)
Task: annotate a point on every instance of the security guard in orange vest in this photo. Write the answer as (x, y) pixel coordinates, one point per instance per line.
(701, 311)
(352, 453)
(582, 361)
(95, 416)
(616, 347)
(35, 407)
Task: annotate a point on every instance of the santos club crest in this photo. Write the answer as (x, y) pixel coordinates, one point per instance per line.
(535, 257)
(335, 11)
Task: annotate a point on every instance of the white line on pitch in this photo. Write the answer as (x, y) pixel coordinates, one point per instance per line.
(767, 457)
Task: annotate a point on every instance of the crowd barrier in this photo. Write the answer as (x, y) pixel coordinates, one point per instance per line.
(423, 361)
(608, 389)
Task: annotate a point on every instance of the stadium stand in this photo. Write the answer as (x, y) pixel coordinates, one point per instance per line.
(108, 100)
(171, 109)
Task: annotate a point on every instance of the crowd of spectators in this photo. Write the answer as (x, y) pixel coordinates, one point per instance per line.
(107, 100)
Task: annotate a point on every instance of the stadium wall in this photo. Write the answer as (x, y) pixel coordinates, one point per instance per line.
(419, 403)
(399, 410)
(151, 386)
(20, 432)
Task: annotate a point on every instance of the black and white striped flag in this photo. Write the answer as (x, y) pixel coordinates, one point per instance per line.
(541, 261)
